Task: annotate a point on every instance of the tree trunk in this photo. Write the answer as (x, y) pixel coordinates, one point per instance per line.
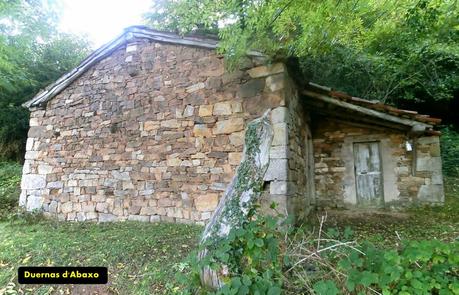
(242, 193)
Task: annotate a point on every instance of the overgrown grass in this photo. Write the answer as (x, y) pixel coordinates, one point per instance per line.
(10, 176)
(386, 230)
(142, 258)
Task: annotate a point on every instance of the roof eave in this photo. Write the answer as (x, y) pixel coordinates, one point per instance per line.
(416, 126)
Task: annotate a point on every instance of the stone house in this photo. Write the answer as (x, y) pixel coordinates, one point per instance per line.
(151, 127)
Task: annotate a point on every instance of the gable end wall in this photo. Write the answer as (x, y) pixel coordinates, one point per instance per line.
(153, 132)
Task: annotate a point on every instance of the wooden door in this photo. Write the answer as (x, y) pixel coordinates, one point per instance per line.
(368, 174)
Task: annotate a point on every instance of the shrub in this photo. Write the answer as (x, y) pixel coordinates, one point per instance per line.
(418, 267)
(249, 260)
(330, 263)
(450, 151)
(10, 177)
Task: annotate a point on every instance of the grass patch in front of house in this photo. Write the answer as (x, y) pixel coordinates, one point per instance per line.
(386, 229)
(142, 258)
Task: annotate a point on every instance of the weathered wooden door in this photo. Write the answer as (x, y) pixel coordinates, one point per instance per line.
(368, 174)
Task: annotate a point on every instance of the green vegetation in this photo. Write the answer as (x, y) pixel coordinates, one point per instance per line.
(10, 176)
(401, 52)
(450, 151)
(142, 258)
(426, 267)
(32, 55)
(249, 260)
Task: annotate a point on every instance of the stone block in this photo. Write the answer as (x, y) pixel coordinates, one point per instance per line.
(172, 123)
(229, 126)
(264, 71)
(279, 115)
(435, 150)
(279, 152)
(277, 170)
(141, 218)
(278, 187)
(150, 125)
(31, 155)
(36, 132)
(236, 107)
(205, 110)
(91, 215)
(216, 170)
(280, 134)
(216, 186)
(437, 177)
(121, 175)
(234, 158)
(104, 217)
(134, 209)
(195, 87)
(201, 130)
(174, 162)
(80, 216)
(237, 138)
(55, 185)
(155, 218)
(189, 111)
(428, 140)
(53, 207)
(29, 144)
(276, 82)
(33, 122)
(207, 202)
(34, 203)
(32, 182)
(251, 88)
(222, 108)
(102, 207)
(23, 198)
(66, 207)
(431, 193)
(428, 164)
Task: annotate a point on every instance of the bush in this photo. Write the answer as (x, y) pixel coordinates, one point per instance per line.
(10, 177)
(249, 260)
(419, 267)
(450, 151)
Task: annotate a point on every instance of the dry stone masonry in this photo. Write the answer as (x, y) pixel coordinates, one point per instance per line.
(153, 132)
(409, 176)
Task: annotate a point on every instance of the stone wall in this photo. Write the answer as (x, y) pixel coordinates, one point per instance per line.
(403, 185)
(287, 172)
(153, 132)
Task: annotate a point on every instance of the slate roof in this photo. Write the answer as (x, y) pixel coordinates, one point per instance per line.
(373, 104)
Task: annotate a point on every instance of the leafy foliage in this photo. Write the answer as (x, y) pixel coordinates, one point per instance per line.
(32, 55)
(450, 151)
(401, 52)
(249, 260)
(10, 177)
(419, 267)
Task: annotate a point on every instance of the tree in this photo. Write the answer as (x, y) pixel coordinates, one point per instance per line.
(32, 55)
(401, 52)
